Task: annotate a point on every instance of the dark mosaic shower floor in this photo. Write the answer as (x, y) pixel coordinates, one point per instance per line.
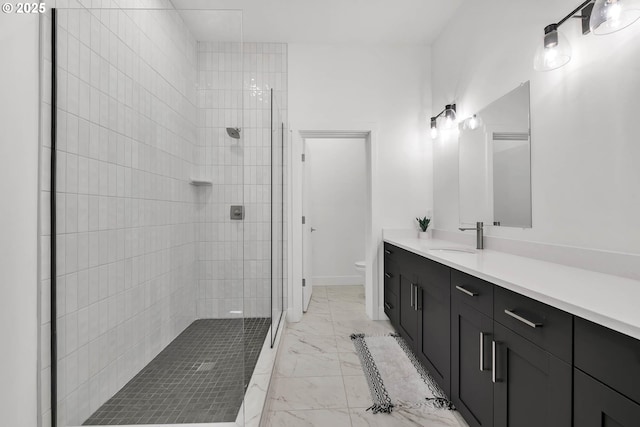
(198, 378)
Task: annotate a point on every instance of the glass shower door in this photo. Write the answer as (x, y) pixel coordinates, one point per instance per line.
(277, 215)
(149, 290)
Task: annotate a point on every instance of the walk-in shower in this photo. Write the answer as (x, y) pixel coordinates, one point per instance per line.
(160, 302)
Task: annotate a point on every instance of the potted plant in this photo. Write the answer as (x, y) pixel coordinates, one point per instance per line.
(424, 227)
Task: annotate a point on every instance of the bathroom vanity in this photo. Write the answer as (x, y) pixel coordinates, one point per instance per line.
(516, 341)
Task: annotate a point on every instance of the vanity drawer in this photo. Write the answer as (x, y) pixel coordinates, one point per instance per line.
(472, 291)
(549, 328)
(390, 251)
(608, 356)
(391, 307)
(391, 272)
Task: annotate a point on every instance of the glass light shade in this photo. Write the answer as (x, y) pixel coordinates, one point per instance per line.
(450, 116)
(434, 133)
(472, 123)
(550, 56)
(609, 16)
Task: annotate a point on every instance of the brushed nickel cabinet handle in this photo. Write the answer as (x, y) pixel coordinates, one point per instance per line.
(418, 298)
(412, 299)
(388, 252)
(388, 306)
(522, 319)
(494, 362)
(388, 276)
(466, 291)
(481, 351)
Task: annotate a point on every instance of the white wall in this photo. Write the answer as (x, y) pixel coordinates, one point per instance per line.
(337, 201)
(382, 88)
(585, 147)
(19, 219)
(386, 85)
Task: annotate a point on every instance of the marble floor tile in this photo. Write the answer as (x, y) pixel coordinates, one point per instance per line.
(350, 364)
(351, 298)
(358, 394)
(297, 342)
(345, 307)
(320, 325)
(345, 344)
(348, 327)
(308, 393)
(338, 315)
(310, 418)
(319, 374)
(401, 417)
(309, 365)
(318, 307)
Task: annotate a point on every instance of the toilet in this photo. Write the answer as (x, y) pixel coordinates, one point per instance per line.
(360, 266)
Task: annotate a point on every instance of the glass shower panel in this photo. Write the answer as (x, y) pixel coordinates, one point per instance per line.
(277, 215)
(150, 207)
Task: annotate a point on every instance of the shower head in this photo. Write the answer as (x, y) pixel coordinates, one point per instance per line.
(234, 133)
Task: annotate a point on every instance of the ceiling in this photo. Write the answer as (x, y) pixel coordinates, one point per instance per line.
(318, 21)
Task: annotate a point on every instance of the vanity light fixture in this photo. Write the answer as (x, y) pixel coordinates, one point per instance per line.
(434, 128)
(597, 16)
(609, 16)
(472, 123)
(449, 113)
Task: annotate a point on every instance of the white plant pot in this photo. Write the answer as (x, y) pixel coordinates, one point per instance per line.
(424, 234)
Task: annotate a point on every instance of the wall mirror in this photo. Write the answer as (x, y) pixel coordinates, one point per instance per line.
(495, 163)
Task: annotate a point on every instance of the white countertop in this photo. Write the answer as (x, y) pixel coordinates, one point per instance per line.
(609, 300)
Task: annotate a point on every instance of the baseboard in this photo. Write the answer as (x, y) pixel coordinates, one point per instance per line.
(338, 280)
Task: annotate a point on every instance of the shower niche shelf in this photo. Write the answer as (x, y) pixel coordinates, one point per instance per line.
(201, 182)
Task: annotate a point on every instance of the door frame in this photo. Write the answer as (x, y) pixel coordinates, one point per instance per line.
(373, 230)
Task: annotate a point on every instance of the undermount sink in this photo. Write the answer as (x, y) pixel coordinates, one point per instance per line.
(463, 250)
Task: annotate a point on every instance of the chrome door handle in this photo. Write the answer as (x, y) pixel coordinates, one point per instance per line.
(466, 291)
(313, 229)
(522, 319)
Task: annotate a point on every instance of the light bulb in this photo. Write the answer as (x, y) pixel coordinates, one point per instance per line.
(553, 52)
(614, 12)
(448, 122)
(434, 133)
(609, 16)
(473, 122)
(450, 116)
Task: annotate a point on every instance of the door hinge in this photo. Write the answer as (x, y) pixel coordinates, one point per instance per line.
(303, 157)
(304, 219)
(304, 283)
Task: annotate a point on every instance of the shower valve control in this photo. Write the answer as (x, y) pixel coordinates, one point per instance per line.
(236, 212)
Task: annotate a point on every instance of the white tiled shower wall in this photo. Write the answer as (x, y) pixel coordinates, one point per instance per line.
(126, 227)
(138, 247)
(240, 172)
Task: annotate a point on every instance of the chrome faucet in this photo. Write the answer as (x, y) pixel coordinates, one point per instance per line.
(479, 234)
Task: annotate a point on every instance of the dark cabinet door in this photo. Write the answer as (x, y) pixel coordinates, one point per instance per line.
(596, 405)
(471, 382)
(434, 333)
(407, 314)
(532, 388)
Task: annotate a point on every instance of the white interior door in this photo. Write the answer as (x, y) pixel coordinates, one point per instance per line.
(307, 287)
